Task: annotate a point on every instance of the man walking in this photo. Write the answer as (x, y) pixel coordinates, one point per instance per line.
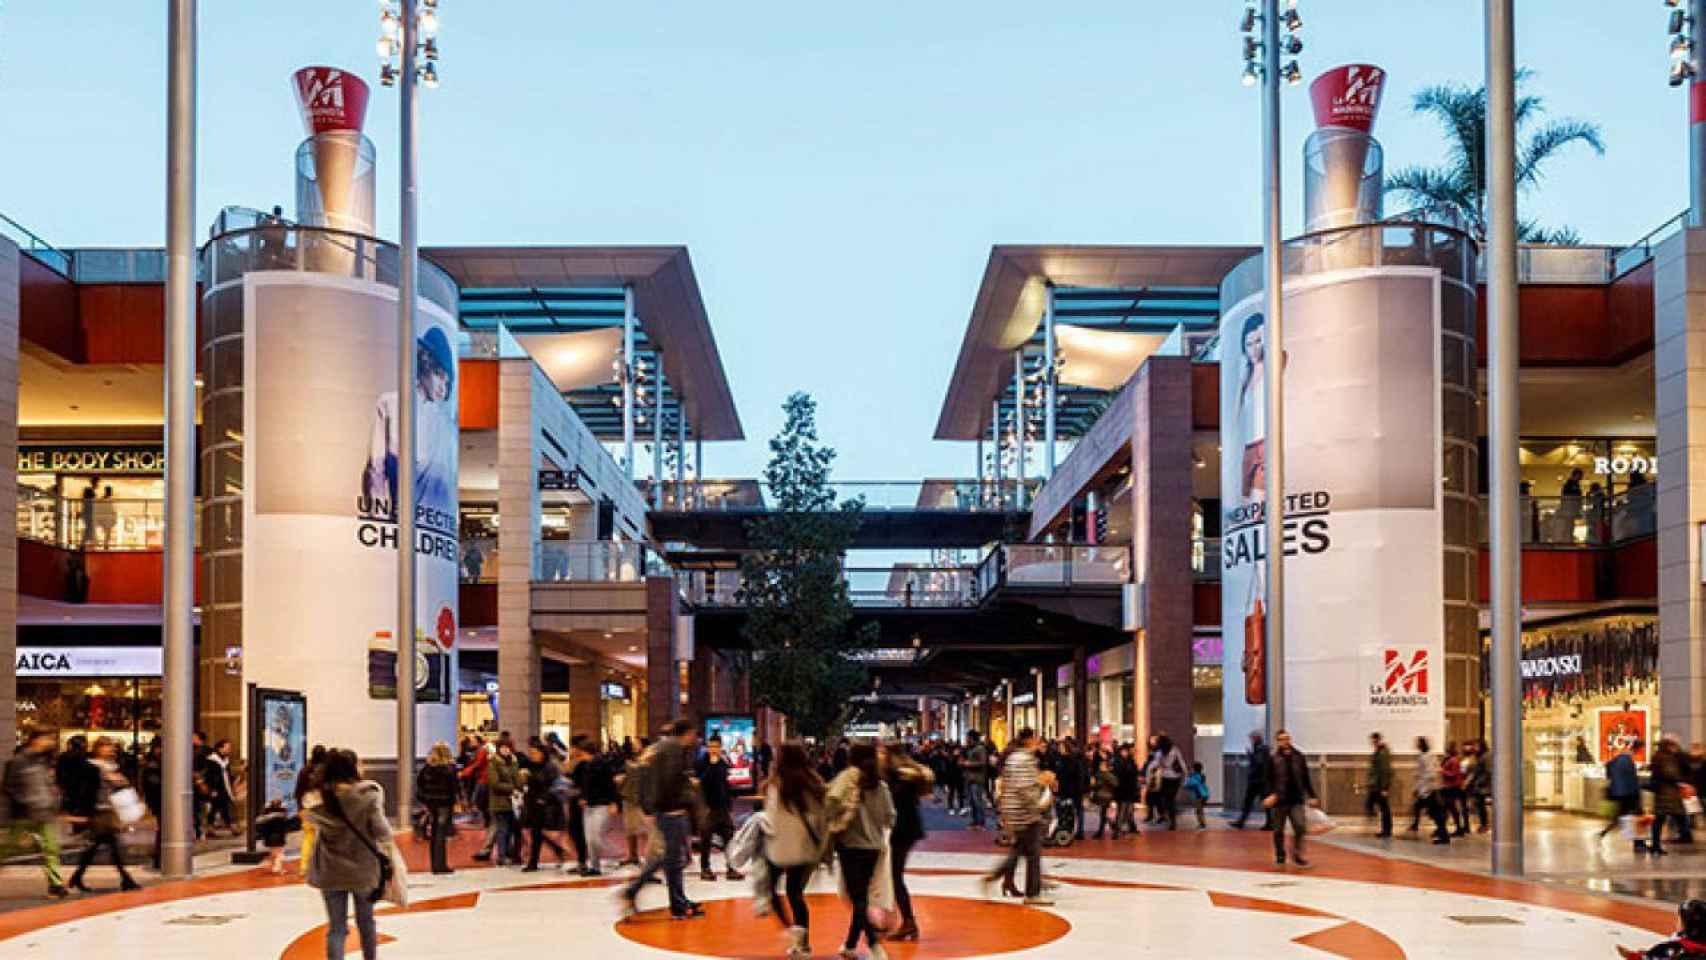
(1256, 782)
(34, 810)
(713, 773)
(975, 763)
(1288, 775)
(1623, 785)
(666, 795)
(1021, 814)
(1380, 784)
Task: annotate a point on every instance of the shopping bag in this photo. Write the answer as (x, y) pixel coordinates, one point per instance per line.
(397, 885)
(1692, 806)
(1627, 826)
(128, 806)
(1316, 821)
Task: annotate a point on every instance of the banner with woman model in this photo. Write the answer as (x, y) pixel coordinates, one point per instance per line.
(1364, 579)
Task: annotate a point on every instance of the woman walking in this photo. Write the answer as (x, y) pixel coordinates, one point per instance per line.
(1170, 771)
(437, 786)
(351, 838)
(794, 841)
(541, 811)
(909, 783)
(861, 811)
(104, 823)
(1104, 786)
(1127, 784)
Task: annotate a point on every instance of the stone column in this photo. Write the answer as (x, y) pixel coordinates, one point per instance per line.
(8, 485)
(518, 544)
(1161, 550)
(586, 700)
(1679, 372)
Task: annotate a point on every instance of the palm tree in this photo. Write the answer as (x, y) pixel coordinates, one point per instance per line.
(1460, 184)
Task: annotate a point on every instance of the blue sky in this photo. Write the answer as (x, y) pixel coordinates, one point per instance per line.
(839, 174)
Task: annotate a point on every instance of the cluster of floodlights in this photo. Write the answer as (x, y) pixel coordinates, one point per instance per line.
(1289, 46)
(390, 44)
(1681, 44)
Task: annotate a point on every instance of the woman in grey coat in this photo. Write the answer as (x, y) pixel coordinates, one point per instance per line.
(344, 865)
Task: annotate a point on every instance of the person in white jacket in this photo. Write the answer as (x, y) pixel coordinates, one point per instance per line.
(794, 844)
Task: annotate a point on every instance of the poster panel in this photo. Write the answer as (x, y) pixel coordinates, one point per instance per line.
(739, 735)
(1621, 729)
(320, 527)
(283, 723)
(1364, 577)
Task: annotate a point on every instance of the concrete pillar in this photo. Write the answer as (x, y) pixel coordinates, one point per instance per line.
(663, 685)
(518, 545)
(8, 485)
(702, 688)
(586, 700)
(1161, 501)
(1080, 697)
(1679, 372)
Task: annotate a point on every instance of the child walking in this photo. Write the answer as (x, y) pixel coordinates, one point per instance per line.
(274, 825)
(1196, 788)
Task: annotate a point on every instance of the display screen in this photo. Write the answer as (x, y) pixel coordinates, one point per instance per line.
(738, 732)
(284, 745)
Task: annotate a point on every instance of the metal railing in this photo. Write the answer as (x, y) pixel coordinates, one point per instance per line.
(1053, 565)
(897, 587)
(1585, 521)
(479, 561)
(754, 496)
(95, 524)
(1639, 252)
(593, 561)
(1205, 558)
(39, 249)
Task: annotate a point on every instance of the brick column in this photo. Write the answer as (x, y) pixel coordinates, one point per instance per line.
(8, 485)
(1161, 549)
(663, 687)
(518, 542)
(586, 700)
(1679, 371)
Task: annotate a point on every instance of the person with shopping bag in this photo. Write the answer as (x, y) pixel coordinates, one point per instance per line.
(795, 838)
(115, 806)
(860, 814)
(1293, 794)
(1622, 786)
(354, 857)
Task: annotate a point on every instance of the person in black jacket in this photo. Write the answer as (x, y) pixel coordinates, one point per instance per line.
(909, 783)
(1127, 789)
(1074, 777)
(712, 771)
(1256, 784)
(436, 788)
(1290, 791)
(666, 793)
(541, 811)
(78, 781)
(594, 776)
(153, 791)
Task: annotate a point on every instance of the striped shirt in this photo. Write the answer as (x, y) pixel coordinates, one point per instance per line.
(1021, 794)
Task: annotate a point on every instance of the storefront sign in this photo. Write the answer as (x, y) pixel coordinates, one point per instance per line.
(1348, 96)
(89, 662)
(614, 691)
(330, 99)
(560, 479)
(1617, 466)
(1564, 666)
(1024, 699)
(93, 458)
(1620, 730)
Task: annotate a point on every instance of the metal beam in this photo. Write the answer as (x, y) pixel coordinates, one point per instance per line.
(177, 825)
(1273, 370)
(1503, 430)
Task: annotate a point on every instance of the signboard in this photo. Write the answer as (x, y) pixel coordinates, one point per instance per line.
(614, 691)
(1619, 729)
(278, 745)
(330, 100)
(89, 662)
(320, 473)
(560, 479)
(1348, 96)
(739, 735)
(1539, 668)
(1365, 611)
(92, 458)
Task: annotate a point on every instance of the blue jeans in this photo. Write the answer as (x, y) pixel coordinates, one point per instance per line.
(675, 828)
(337, 923)
(504, 837)
(974, 799)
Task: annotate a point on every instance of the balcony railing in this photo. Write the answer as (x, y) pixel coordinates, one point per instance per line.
(1585, 521)
(898, 587)
(754, 496)
(593, 561)
(94, 524)
(1053, 565)
(1205, 558)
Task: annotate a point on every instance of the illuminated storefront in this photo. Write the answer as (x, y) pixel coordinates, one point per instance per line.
(89, 691)
(92, 496)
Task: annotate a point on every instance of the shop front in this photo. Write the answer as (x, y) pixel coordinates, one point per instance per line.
(92, 496)
(1590, 687)
(1587, 491)
(92, 692)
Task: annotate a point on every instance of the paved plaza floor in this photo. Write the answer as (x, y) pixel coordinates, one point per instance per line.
(1212, 894)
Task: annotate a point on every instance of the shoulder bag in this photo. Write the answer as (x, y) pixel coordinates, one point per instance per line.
(393, 873)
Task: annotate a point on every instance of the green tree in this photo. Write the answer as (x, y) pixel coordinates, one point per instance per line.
(1460, 184)
(799, 618)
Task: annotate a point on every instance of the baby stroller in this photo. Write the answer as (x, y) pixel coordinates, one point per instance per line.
(1060, 824)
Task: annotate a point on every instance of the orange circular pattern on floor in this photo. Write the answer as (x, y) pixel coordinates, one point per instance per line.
(954, 927)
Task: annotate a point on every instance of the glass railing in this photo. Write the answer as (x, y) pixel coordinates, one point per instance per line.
(592, 561)
(37, 248)
(1205, 558)
(1064, 565)
(898, 587)
(754, 496)
(97, 524)
(479, 559)
(246, 240)
(1590, 520)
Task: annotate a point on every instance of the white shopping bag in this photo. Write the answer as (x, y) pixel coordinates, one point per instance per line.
(1317, 821)
(1626, 824)
(1692, 806)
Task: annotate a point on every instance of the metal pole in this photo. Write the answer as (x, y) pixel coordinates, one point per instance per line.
(177, 843)
(406, 294)
(1697, 117)
(1019, 425)
(982, 491)
(628, 381)
(1273, 368)
(1502, 438)
(698, 470)
(995, 448)
(1048, 384)
(680, 444)
(657, 438)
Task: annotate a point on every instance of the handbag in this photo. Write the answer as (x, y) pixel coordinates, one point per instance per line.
(1316, 821)
(128, 806)
(390, 867)
(1256, 655)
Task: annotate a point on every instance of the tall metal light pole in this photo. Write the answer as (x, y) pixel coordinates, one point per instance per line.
(1050, 377)
(626, 371)
(1687, 66)
(177, 844)
(1502, 438)
(415, 24)
(1270, 74)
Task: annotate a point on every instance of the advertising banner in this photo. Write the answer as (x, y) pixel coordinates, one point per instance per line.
(1364, 580)
(1620, 730)
(739, 735)
(320, 484)
(283, 729)
(331, 100)
(1348, 96)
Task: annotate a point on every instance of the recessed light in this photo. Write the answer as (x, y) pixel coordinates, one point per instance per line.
(633, 649)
